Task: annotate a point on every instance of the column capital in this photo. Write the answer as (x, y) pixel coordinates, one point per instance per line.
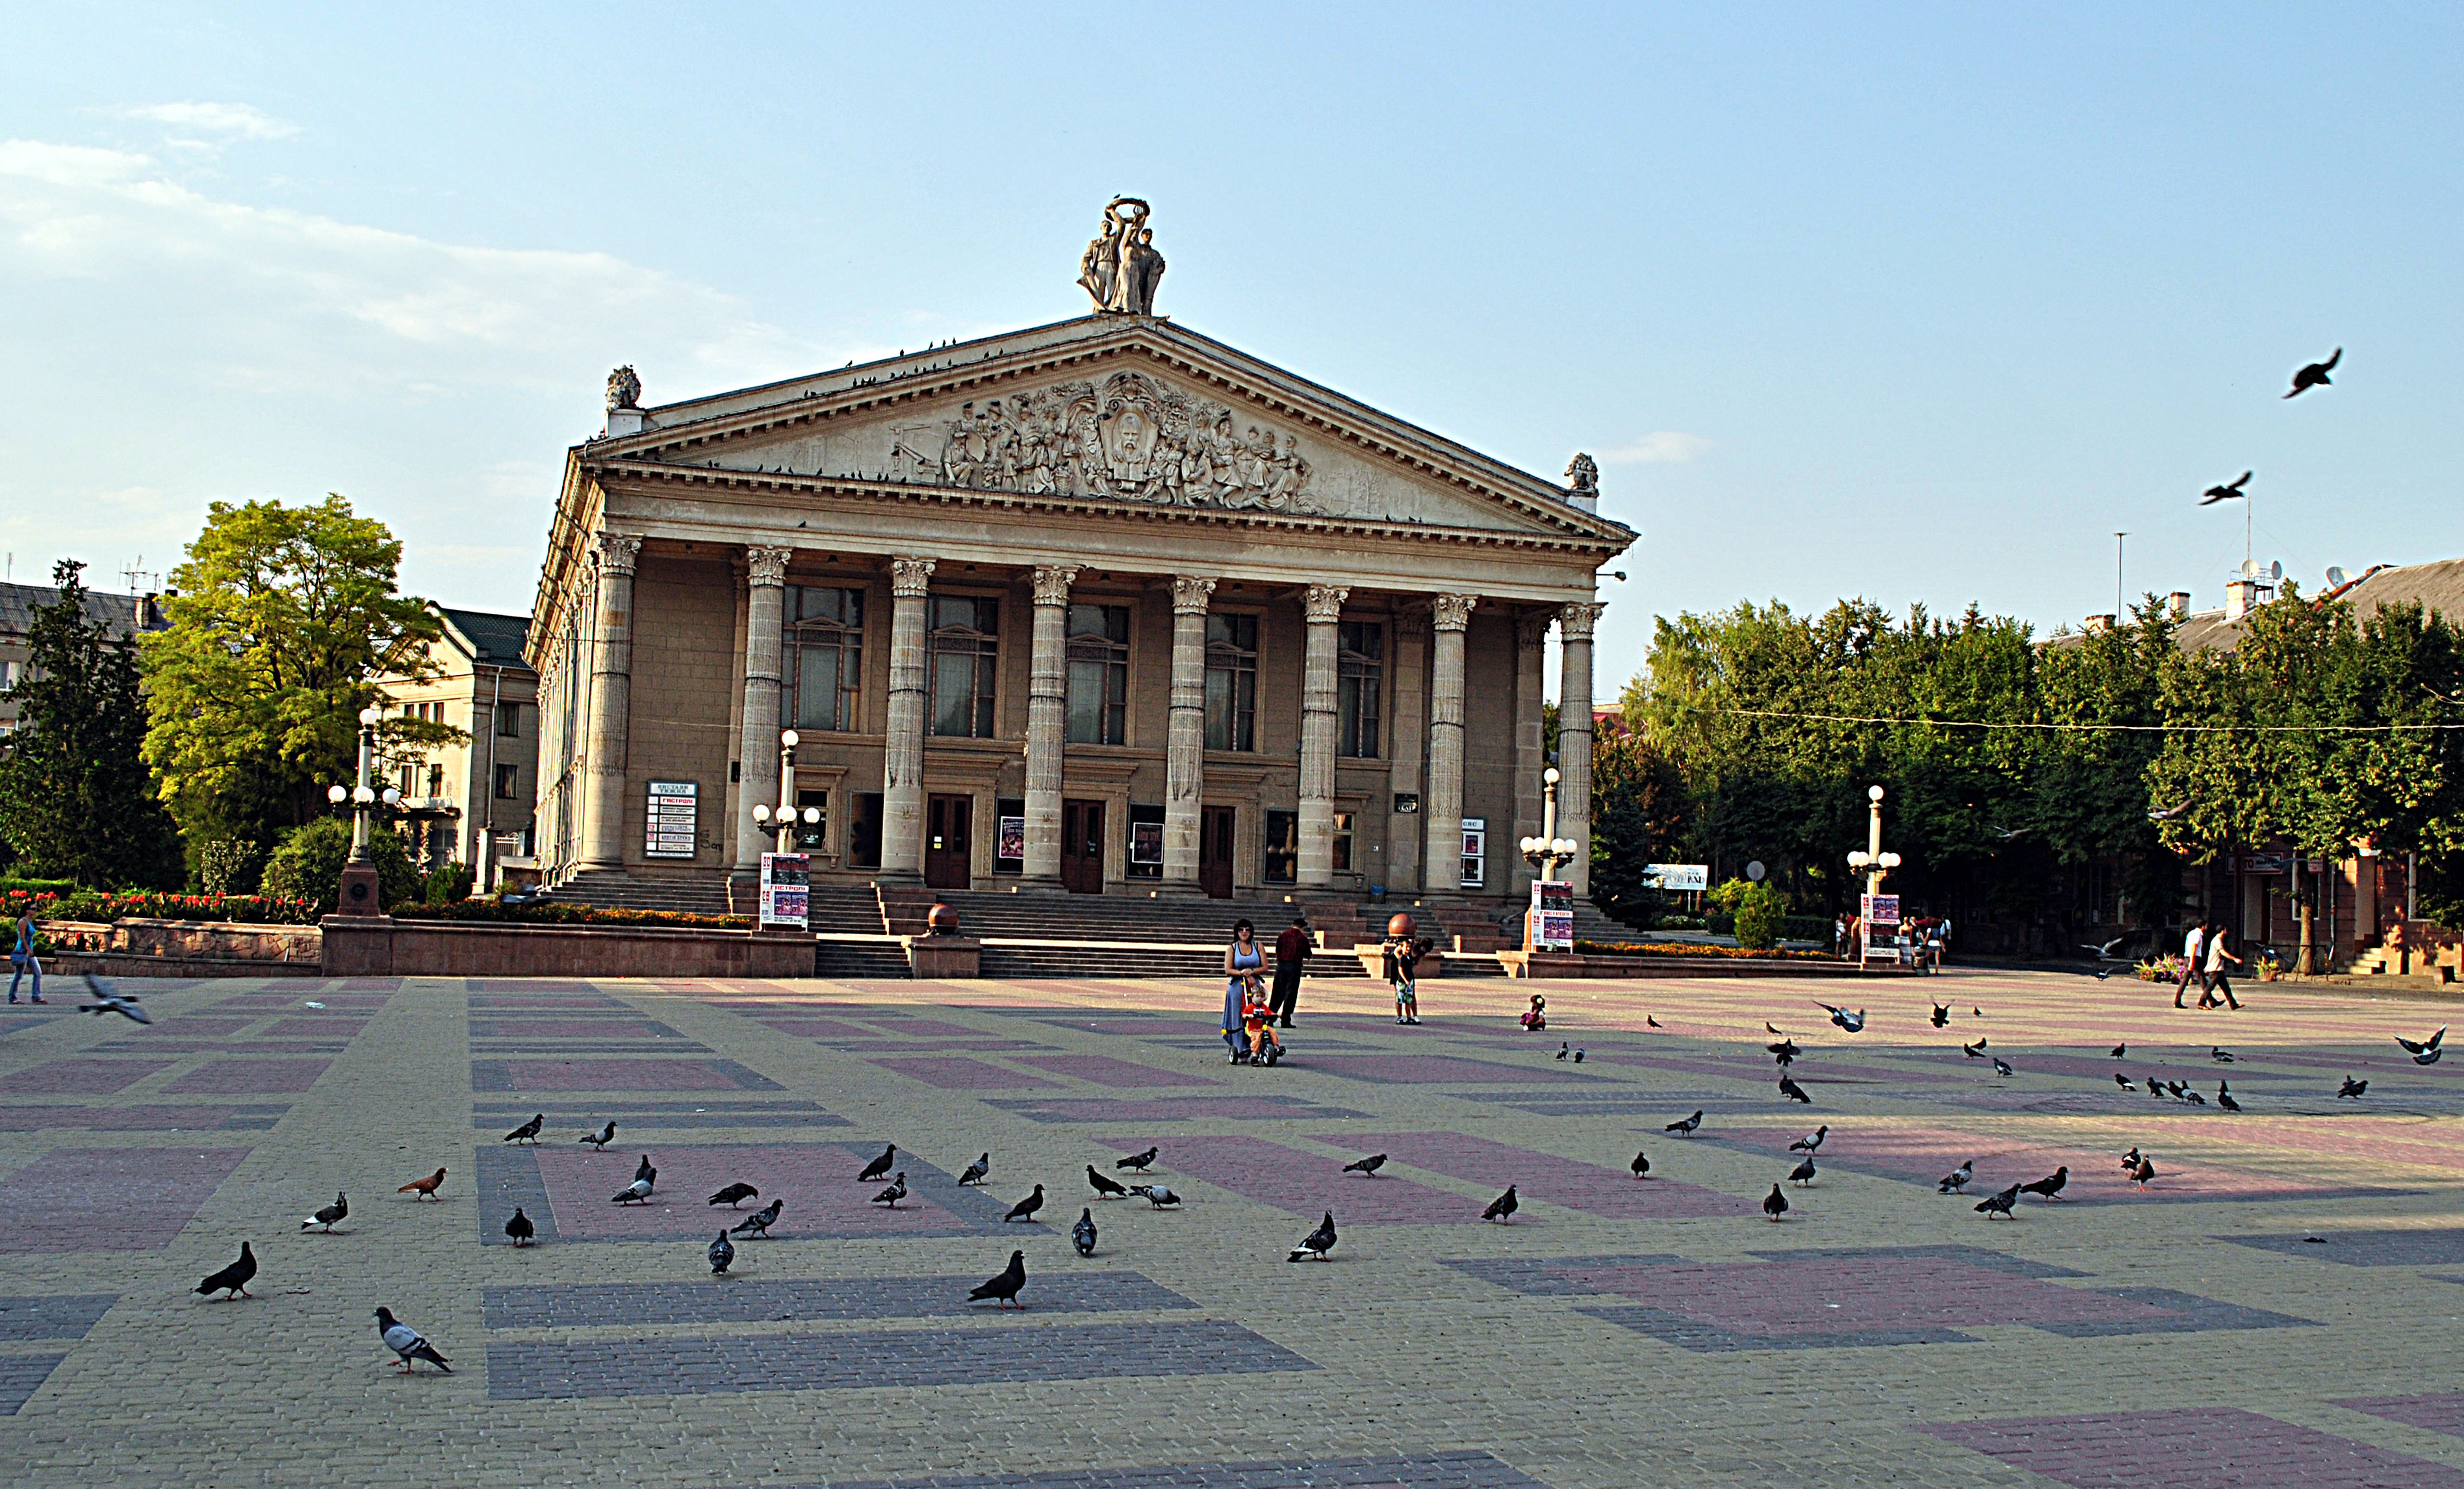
(1189, 594)
(1574, 622)
(1052, 582)
(615, 552)
(1532, 628)
(1451, 612)
(1324, 603)
(767, 567)
(909, 578)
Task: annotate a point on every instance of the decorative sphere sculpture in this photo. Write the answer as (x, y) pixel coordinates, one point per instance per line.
(1400, 927)
(942, 920)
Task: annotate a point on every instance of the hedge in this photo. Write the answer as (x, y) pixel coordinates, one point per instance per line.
(1693, 949)
(552, 914)
(100, 904)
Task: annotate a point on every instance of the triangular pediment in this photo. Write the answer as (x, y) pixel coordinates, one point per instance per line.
(1109, 410)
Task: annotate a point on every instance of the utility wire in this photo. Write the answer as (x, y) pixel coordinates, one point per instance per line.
(2109, 728)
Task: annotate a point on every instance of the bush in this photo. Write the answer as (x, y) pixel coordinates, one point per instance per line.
(38, 886)
(448, 884)
(100, 906)
(228, 865)
(1693, 949)
(552, 914)
(308, 866)
(1762, 913)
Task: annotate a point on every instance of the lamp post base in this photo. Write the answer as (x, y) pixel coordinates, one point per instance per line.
(359, 890)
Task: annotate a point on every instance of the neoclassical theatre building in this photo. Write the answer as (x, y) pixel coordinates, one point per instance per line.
(1102, 606)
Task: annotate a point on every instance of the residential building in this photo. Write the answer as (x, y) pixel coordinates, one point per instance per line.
(470, 803)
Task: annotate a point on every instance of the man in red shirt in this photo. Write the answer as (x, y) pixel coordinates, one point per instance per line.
(1291, 957)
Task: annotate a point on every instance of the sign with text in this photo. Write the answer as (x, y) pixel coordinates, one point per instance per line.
(1549, 926)
(787, 888)
(1677, 876)
(674, 821)
(1010, 841)
(1879, 910)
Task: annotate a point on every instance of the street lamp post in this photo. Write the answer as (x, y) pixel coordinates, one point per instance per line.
(1546, 853)
(785, 815)
(358, 891)
(1871, 861)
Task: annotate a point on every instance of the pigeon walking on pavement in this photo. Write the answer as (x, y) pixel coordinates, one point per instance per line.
(1793, 1091)
(637, 1193)
(760, 1222)
(2000, 1204)
(977, 1172)
(896, 1191)
(734, 1195)
(1955, 1182)
(2225, 1096)
(423, 1189)
(1083, 1234)
(405, 1341)
(2124, 1082)
(880, 1166)
(232, 1281)
(2050, 1187)
(1684, 1126)
(722, 1255)
(2352, 1088)
(1004, 1289)
(2141, 1175)
(519, 1230)
(1368, 1165)
(1641, 1167)
(603, 1137)
(330, 1215)
(1138, 1162)
(644, 1173)
(1811, 1141)
(1157, 1196)
(1103, 1186)
(1026, 1208)
(1502, 1208)
(528, 1131)
(1802, 1174)
(1774, 1203)
(1314, 1246)
(2002, 1068)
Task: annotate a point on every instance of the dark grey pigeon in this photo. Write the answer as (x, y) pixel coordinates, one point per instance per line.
(331, 1215)
(528, 1131)
(734, 1195)
(760, 1222)
(1368, 1165)
(1502, 1208)
(1684, 1126)
(1004, 1289)
(519, 1229)
(1026, 1208)
(1104, 1188)
(722, 1255)
(879, 1166)
(603, 1137)
(1083, 1234)
(1317, 1243)
(977, 1172)
(1138, 1161)
(232, 1280)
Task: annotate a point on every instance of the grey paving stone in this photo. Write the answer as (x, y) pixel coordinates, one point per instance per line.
(21, 1376)
(1412, 1471)
(2197, 1316)
(742, 1301)
(66, 1316)
(2366, 1248)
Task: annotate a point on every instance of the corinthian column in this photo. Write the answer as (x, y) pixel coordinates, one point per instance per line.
(1185, 740)
(1323, 605)
(902, 755)
(1449, 614)
(1574, 623)
(765, 571)
(1048, 706)
(612, 703)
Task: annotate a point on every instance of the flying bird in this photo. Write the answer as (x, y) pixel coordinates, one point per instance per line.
(2352, 1088)
(1368, 1165)
(1975, 1051)
(2124, 1082)
(896, 1191)
(2166, 814)
(1026, 1208)
(2424, 1052)
(603, 1137)
(1811, 1141)
(1774, 1203)
(423, 1189)
(1157, 1196)
(1684, 1126)
(880, 1166)
(2315, 373)
(2102, 952)
(1849, 1022)
(232, 1280)
(760, 1222)
(1955, 1182)
(1138, 1161)
(1803, 1173)
(1502, 1208)
(2002, 1068)
(2229, 490)
(1784, 1054)
(2000, 1204)
(519, 1230)
(734, 1195)
(977, 1172)
(1103, 1188)
(722, 1255)
(2225, 1097)
(634, 1194)
(1940, 1016)
(1314, 1246)
(1083, 1234)
(2050, 1186)
(2102, 972)
(528, 1131)
(1642, 1167)
(405, 1341)
(329, 1216)
(1793, 1091)
(121, 1003)
(2117, 1050)
(1004, 1289)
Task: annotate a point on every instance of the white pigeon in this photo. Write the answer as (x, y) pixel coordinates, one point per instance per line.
(405, 1341)
(636, 1192)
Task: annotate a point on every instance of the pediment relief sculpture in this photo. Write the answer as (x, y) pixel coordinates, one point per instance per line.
(1131, 438)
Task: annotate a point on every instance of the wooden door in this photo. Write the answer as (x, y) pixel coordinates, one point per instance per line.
(1215, 852)
(1082, 846)
(949, 841)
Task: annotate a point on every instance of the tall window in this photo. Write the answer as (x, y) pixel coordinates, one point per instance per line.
(1099, 675)
(508, 777)
(965, 650)
(824, 657)
(1232, 682)
(1359, 671)
(509, 720)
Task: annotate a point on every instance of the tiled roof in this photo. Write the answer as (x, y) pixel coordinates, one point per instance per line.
(2437, 588)
(18, 602)
(498, 637)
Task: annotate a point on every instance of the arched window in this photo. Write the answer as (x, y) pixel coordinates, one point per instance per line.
(823, 671)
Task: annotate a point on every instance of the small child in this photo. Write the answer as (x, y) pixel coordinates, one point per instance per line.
(1258, 1022)
(1536, 1018)
(1405, 976)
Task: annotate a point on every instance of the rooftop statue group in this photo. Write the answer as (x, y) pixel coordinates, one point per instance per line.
(1121, 268)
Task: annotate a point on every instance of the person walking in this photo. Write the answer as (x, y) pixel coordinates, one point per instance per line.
(2216, 979)
(1292, 959)
(1243, 961)
(2193, 941)
(22, 958)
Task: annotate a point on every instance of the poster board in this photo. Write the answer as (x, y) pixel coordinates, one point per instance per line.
(1549, 926)
(786, 890)
(1009, 840)
(1146, 843)
(674, 821)
(1677, 877)
(1475, 852)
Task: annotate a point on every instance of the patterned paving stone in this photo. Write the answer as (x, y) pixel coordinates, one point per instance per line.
(745, 1300)
(250, 1118)
(1184, 1108)
(559, 1370)
(79, 1077)
(617, 1075)
(73, 1199)
(67, 1316)
(2196, 1448)
(1435, 1070)
(1304, 1184)
(21, 1376)
(567, 1120)
(567, 1193)
(315, 1026)
(1415, 1471)
(587, 1031)
(1547, 1177)
(955, 1073)
(1118, 1074)
(2439, 1413)
(2409, 1248)
(249, 1078)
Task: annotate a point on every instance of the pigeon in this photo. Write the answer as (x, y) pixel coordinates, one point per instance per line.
(2228, 490)
(2117, 1050)
(1793, 1091)
(2130, 1159)
(1848, 1023)
(2000, 1204)
(1578, 1057)
(2426, 1052)
(644, 1171)
(760, 1222)
(734, 1195)
(1975, 1051)
(1317, 1243)
(2141, 1175)
(1564, 1049)
(528, 1131)
(2155, 1088)
(2315, 373)
(123, 1003)
(1803, 1173)
(1773, 1028)
(1502, 1208)
(1774, 1203)
(1138, 1161)
(896, 1191)
(2124, 1082)
(1784, 1053)
(2225, 1097)
(880, 1166)
(2166, 814)
(1649, 1022)
(1642, 1167)
(1811, 1141)
(1955, 1182)
(2177, 1088)
(1368, 1165)
(1976, 1013)
(329, 1216)
(1083, 1234)
(634, 1194)
(2352, 1088)
(1940, 1016)
(2104, 950)
(519, 1230)
(2051, 1185)
(423, 1189)
(2194, 1098)
(1157, 1195)
(1004, 1289)
(2222, 1057)
(722, 1255)
(1026, 1208)
(977, 1172)
(1684, 1126)
(1103, 1188)
(603, 1137)
(233, 1279)
(405, 1341)
(2102, 972)
(2002, 1068)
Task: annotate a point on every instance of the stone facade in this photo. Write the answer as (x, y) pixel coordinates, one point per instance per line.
(470, 803)
(1104, 606)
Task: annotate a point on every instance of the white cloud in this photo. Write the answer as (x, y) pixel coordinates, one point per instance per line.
(230, 120)
(1659, 447)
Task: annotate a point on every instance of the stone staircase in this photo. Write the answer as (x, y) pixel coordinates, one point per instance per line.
(619, 888)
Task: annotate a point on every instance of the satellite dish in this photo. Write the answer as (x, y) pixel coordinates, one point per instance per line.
(2337, 578)
(2249, 568)
(2276, 573)
(1755, 870)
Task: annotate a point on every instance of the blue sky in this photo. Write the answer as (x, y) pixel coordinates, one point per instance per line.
(1916, 302)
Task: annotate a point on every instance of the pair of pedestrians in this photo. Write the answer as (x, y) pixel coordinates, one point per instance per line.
(2205, 954)
(1247, 1015)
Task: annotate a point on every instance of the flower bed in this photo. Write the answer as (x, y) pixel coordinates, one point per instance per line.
(105, 906)
(556, 914)
(1692, 948)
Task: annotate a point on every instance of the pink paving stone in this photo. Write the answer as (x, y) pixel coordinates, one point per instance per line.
(955, 1073)
(1821, 1296)
(2440, 1413)
(817, 1180)
(1179, 1109)
(1120, 1074)
(1306, 1184)
(1589, 1188)
(1435, 1070)
(195, 1025)
(112, 1119)
(1813, 1072)
(75, 1199)
(621, 1075)
(309, 1026)
(811, 1028)
(487, 1028)
(248, 1077)
(2196, 1448)
(79, 1077)
(1922, 1155)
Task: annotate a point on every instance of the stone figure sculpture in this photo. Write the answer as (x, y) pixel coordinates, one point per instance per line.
(624, 389)
(1135, 437)
(1584, 476)
(1121, 268)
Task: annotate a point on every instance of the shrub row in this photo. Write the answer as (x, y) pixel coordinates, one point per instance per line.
(1690, 948)
(552, 914)
(102, 904)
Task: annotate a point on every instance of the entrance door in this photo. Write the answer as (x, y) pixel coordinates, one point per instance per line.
(1215, 852)
(1082, 846)
(949, 841)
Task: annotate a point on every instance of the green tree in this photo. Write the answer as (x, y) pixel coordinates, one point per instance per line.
(308, 866)
(284, 618)
(76, 802)
(1637, 815)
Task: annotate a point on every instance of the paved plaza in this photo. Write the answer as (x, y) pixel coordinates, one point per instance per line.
(2273, 1309)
